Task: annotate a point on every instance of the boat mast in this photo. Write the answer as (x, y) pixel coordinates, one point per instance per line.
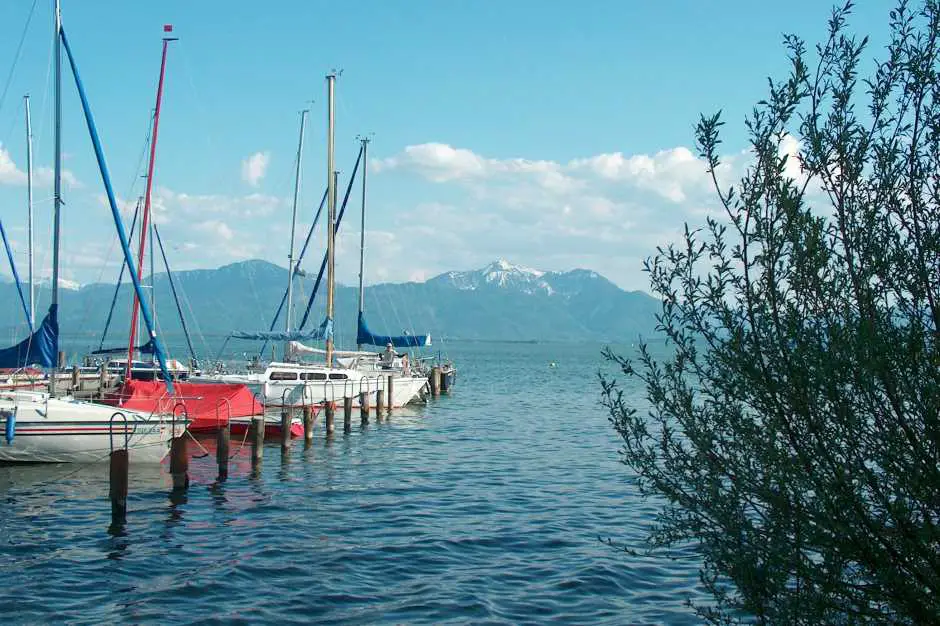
(29, 211)
(144, 224)
(293, 224)
(331, 210)
(57, 177)
(362, 229)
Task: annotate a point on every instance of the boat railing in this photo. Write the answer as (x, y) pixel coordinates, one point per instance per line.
(127, 436)
(218, 414)
(185, 416)
(260, 398)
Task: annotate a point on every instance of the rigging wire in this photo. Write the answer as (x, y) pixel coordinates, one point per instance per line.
(16, 55)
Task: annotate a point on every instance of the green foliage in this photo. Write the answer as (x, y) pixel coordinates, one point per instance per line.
(794, 434)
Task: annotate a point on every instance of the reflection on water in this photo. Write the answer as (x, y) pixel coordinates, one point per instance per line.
(485, 505)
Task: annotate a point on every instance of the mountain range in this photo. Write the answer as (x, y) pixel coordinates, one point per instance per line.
(501, 301)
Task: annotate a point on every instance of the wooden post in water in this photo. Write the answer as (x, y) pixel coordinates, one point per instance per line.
(223, 443)
(347, 417)
(330, 408)
(391, 392)
(118, 486)
(179, 462)
(286, 419)
(347, 407)
(308, 425)
(435, 381)
(257, 439)
(445, 386)
(102, 379)
(364, 405)
(379, 404)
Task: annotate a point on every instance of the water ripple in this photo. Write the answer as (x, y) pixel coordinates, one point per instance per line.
(485, 507)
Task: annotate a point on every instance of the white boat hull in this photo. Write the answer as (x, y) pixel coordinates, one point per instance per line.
(65, 430)
(307, 392)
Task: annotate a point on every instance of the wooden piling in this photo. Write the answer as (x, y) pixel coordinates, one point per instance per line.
(330, 409)
(286, 419)
(102, 379)
(223, 443)
(379, 403)
(308, 425)
(118, 486)
(257, 439)
(179, 462)
(390, 400)
(347, 408)
(435, 381)
(444, 385)
(347, 417)
(364, 405)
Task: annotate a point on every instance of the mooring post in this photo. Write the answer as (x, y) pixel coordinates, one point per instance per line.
(179, 462)
(308, 425)
(286, 419)
(347, 407)
(223, 443)
(390, 401)
(347, 418)
(257, 439)
(379, 403)
(444, 384)
(435, 381)
(330, 408)
(364, 405)
(102, 379)
(118, 490)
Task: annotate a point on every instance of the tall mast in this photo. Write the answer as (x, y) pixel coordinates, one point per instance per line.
(57, 178)
(29, 212)
(293, 223)
(145, 220)
(362, 229)
(331, 210)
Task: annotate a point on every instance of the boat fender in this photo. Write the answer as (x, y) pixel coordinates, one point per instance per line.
(10, 427)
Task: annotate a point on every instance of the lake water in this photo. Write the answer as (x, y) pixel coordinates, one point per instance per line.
(485, 506)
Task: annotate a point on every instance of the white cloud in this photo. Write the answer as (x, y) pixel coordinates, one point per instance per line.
(9, 173)
(255, 167)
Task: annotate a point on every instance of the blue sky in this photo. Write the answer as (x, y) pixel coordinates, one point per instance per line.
(553, 134)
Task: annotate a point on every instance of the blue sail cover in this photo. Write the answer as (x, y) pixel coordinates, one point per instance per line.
(40, 348)
(322, 332)
(367, 337)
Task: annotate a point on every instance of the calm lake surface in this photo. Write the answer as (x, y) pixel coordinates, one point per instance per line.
(485, 506)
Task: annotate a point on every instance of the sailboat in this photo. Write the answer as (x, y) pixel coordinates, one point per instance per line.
(295, 383)
(390, 360)
(41, 426)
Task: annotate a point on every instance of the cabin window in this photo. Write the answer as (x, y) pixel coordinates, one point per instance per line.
(283, 376)
(313, 376)
(338, 376)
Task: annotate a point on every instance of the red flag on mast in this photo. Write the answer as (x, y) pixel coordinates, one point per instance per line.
(168, 28)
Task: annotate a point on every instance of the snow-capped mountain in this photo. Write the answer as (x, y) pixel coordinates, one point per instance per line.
(499, 273)
(503, 274)
(501, 301)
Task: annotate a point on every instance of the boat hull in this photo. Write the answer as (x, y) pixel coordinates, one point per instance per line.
(63, 430)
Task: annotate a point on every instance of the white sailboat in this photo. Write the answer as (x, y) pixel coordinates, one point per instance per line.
(295, 383)
(40, 426)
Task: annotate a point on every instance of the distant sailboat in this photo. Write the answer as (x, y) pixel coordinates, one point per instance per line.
(299, 383)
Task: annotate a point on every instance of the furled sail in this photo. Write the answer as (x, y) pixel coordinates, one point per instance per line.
(147, 348)
(40, 348)
(322, 332)
(365, 336)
